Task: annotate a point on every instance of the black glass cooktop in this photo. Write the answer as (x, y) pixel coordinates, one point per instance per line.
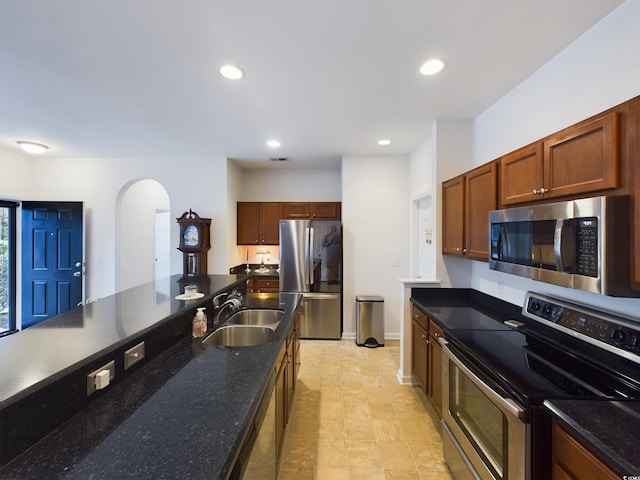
(530, 370)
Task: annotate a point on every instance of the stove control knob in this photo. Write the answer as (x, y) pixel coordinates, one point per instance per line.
(618, 335)
(547, 310)
(535, 306)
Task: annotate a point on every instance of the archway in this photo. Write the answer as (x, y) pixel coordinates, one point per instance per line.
(142, 233)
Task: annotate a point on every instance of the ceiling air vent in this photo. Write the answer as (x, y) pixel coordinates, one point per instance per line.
(279, 159)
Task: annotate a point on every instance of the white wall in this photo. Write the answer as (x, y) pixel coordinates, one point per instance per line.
(599, 70)
(135, 231)
(97, 182)
(290, 185)
(16, 176)
(375, 234)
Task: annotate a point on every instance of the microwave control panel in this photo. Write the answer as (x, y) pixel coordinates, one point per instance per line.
(587, 246)
(605, 330)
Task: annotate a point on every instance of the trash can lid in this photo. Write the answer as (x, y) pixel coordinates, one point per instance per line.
(369, 298)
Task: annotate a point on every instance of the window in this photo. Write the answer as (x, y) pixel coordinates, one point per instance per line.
(7, 267)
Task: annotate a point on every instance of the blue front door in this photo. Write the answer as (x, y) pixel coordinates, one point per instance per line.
(51, 259)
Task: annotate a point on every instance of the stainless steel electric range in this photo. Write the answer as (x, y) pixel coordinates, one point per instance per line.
(494, 383)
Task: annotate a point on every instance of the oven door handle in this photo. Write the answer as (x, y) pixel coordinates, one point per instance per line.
(508, 404)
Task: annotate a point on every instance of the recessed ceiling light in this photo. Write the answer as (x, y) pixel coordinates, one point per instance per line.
(231, 72)
(32, 147)
(273, 143)
(432, 66)
(384, 142)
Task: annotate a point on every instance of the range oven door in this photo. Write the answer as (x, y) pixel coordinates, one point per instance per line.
(485, 435)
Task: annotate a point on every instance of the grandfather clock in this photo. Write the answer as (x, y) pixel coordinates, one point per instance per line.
(194, 242)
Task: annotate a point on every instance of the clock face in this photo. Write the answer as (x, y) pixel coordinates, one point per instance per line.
(191, 236)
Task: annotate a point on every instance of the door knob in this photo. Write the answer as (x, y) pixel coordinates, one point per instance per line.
(77, 274)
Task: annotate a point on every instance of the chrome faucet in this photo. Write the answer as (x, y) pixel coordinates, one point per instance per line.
(216, 299)
(232, 302)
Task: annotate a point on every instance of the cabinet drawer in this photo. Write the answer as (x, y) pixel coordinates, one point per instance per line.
(420, 317)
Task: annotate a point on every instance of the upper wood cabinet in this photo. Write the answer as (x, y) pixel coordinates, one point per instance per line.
(583, 158)
(521, 174)
(258, 223)
(466, 202)
(453, 215)
(312, 211)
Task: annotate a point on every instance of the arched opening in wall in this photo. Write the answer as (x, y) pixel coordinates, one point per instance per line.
(143, 227)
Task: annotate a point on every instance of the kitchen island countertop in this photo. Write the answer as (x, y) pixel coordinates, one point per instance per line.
(184, 414)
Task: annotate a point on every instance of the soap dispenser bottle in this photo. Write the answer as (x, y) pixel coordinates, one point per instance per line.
(199, 324)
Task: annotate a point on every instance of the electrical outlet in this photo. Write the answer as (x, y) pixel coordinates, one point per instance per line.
(91, 378)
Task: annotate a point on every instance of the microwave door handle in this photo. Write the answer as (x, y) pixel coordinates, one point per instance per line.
(557, 245)
(504, 247)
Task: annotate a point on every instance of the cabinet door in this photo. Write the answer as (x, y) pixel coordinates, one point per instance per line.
(271, 215)
(635, 220)
(571, 460)
(453, 216)
(582, 158)
(296, 210)
(480, 199)
(435, 367)
(281, 407)
(419, 357)
(521, 172)
(248, 218)
(325, 211)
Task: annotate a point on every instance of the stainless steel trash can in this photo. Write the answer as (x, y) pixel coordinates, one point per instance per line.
(370, 321)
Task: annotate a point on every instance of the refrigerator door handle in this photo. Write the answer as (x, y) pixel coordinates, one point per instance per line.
(319, 296)
(310, 254)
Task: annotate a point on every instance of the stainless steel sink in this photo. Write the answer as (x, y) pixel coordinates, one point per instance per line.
(239, 336)
(256, 316)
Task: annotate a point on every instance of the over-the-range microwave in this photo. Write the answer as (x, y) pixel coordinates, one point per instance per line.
(581, 244)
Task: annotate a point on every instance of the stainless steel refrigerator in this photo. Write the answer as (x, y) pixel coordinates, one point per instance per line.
(311, 264)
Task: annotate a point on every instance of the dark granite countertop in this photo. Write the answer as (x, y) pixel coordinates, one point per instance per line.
(38, 355)
(183, 414)
(269, 270)
(606, 427)
(455, 308)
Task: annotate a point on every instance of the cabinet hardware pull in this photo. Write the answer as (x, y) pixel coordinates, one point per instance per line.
(464, 250)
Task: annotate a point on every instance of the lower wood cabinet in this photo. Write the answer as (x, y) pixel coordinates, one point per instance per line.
(570, 460)
(287, 364)
(426, 357)
(435, 367)
(263, 285)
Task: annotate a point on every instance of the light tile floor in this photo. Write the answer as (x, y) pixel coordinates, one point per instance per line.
(352, 420)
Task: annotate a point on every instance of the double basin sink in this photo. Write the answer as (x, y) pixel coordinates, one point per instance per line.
(246, 328)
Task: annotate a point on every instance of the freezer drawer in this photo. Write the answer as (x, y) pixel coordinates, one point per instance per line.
(321, 316)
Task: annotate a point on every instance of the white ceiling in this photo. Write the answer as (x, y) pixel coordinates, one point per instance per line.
(139, 78)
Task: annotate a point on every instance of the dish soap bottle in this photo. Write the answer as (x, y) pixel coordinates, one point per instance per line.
(199, 324)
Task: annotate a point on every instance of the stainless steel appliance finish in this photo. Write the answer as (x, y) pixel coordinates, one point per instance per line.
(257, 459)
(311, 263)
(495, 382)
(485, 430)
(370, 321)
(581, 244)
